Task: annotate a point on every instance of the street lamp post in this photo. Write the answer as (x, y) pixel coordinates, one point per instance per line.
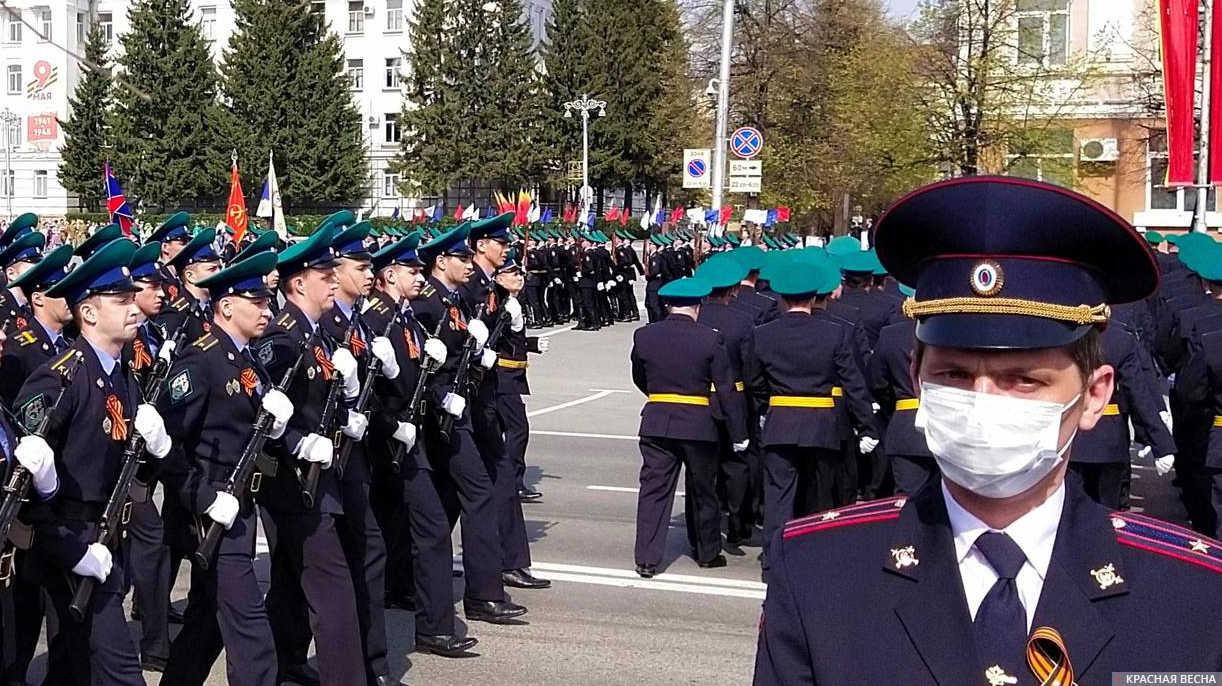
(9, 120)
(585, 105)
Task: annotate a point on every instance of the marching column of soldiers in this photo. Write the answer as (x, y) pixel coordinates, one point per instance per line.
(356, 393)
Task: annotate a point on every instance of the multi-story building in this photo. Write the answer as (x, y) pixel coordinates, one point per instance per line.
(40, 75)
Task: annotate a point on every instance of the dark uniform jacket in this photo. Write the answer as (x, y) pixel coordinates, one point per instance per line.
(1199, 387)
(187, 313)
(390, 402)
(891, 384)
(872, 594)
(627, 264)
(15, 315)
(511, 362)
(762, 307)
(875, 310)
(681, 357)
(27, 350)
(337, 326)
(449, 323)
(738, 332)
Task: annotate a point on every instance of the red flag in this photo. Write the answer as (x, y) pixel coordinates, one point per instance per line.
(782, 214)
(676, 215)
(522, 212)
(458, 212)
(725, 215)
(568, 213)
(1178, 31)
(116, 203)
(613, 213)
(623, 217)
(1215, 102)
(235, 213)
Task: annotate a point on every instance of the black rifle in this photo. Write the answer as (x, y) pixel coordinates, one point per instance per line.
(462, 376)
(18, 486)
(374, 369)
(243, 474)
(415, 408)
(161, 368)
(118, 506)
(309, 488)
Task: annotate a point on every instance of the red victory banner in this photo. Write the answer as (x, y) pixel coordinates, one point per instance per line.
(235, 213)
(1215, 102)
(1178, 31)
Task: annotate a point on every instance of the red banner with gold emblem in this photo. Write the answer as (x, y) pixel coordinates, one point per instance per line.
(1178, 33)
(235, 214)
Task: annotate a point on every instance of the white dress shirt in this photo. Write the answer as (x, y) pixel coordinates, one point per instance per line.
(1035, 533)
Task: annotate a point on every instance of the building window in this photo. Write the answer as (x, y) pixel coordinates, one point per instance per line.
(1043, 31)
(356, 17)
(318, 8)
(1050, 158)
(1158, 195)
(82, 27)
(14, 79)
(390, 128)
(40, 183)
(14, 30)
(44, 16)
(207, 22)
(394, 15)
(392, 72)
(108, 26)
(356, 74)
(390, 184)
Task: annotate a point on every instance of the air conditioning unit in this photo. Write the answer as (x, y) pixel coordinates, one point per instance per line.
(1099, 150)
(372, 121)
(368, 10)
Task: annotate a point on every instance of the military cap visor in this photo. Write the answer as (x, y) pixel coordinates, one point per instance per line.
(21, 224)
(311, 253)
(268, 240)
(350, 242)
(245, 278)
(25, 248)
(144, 263)
(688, 290)
(105, 272)
(173, 229)
(402, 252)
(199, 249)
(452, 242)
(495, 227)
(1007, 263)
(102, 236)
(49, 271)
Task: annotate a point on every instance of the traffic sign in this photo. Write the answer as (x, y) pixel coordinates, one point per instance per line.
(746, 184)
(746, 142)
(746, 168)
(696, 167)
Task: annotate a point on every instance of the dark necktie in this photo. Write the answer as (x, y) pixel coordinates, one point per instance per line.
(60, 344)
(1001, 622)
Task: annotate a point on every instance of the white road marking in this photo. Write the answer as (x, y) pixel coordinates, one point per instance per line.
(545, 334)
(629, 574)
(580, 401)
(574, 434)
(654, 585)
(625, 489)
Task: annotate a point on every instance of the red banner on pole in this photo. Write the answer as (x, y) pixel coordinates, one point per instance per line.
(235, 213)
(1215, 100)
(1178, 25)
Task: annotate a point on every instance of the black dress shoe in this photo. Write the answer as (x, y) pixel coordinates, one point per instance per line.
(152, 663)
(493, 612)
(445, 645)
(646, 571)
(719, 561)
(527, 495)
(520, 578)
(407, 604)
(386, 681)
(303, 675)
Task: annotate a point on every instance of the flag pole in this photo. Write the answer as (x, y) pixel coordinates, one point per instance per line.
(1198, 220)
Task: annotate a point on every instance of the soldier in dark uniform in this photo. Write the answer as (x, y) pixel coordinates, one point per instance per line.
(173, 234)
(213, 394)
(588, 318)
(675, 363)
(308, 565)
(627, 268)
(762, 308)
(457, 481)
(194, 263)
(23, 253)
(877, 308)
(654, 279)
(32, 347)
(88, 433)
(890, 378)
(1002, 571)
(10, 307)
(604, 278)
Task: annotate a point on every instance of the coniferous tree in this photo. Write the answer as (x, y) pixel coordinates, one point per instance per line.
(164, 129)
(515, 149)
(566, 78)
(85, 135)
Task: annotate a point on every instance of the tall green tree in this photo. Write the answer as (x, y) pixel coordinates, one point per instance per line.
(515, 145)
(567, 76)
(165, 128)
(86, 143)
(287, 94)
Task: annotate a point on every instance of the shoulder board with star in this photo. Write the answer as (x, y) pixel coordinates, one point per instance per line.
(26, 337)
(180, 304)
(860, 513)
(205, 342)
(1167, 539)
(379, 307)
(61, 363)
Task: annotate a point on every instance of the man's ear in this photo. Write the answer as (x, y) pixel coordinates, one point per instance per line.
(1096, 396)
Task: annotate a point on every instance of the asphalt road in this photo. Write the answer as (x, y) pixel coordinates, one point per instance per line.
(600, 623)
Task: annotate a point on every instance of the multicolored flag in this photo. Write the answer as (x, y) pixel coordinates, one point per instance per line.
(235, 210)
(116, 204)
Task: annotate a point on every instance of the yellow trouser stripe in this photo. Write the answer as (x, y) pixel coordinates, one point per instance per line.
(907, 404)
(678, 399)
(1218, 421)
(511, 364)
(801, 401)
(1112, 410)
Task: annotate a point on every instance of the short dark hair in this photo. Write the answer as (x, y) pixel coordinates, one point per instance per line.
(1086, 353)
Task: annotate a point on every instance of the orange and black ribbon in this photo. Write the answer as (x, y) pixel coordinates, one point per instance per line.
(413, 350)
(325, 362)
(457, 319)
(172, 291)
(491, 302)
(1048, 658)
(21, 323)
(140, 354)
(355, 343)
(118, 427)
(249, 380)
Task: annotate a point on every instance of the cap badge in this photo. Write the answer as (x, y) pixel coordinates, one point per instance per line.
(1106, 576)
(905, 557)
(987, 279)
(997, 676)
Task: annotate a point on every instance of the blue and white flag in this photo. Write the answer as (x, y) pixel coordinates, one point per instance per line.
(269, 201)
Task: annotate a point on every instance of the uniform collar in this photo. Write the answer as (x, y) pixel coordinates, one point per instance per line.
(105, 359)
(237, 346)
(47, 332)
(345, 308)
(1035, 533)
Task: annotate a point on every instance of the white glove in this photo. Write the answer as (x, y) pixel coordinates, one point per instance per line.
(1165, 415)
(345, 364)
(600, 285)
(435, 349)
(1145, 452)
(763, 421)
(610, 284)
(576, 278)
(487, 358)
(544, 345)
(382, 349)
(223, 510)
(867, 444)
(33, 453)
(740, 447)
(151, 427)
(1164, 464)
(167, 351)
(356, 426)
(513, 307)
(96, 562)
(454, 404)
(876, 407)
(280, 408)
(405, 434)
(619, 278)
(557, 281)
(315, 448)
(479, 331)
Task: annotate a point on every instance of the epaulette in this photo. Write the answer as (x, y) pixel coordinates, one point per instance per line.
(180, 305)
(286, 320)
(380, 307)
(205, 342)
(860, 513)
(60, 364)
(1167, 539)
(26, 337)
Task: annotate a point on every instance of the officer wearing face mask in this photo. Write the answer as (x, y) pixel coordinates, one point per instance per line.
(1001, 570)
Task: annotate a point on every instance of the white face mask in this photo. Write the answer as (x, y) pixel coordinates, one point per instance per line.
(995, 446)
